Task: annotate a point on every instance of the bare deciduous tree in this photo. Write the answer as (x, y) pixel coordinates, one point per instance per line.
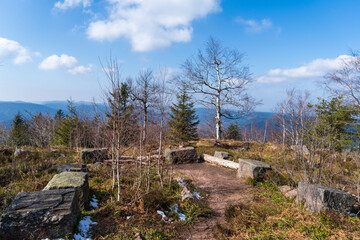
(221, 77)
(144, 93)
(345, 82)
(163, 102)
(119, 118)
(41, 129)
(4, 134)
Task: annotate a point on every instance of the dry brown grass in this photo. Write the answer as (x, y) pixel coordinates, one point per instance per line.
(272, 216)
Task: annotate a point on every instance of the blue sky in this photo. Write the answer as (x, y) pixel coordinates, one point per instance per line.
(50, 50)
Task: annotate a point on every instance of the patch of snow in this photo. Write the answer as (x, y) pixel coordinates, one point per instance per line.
(197, 195)
(84, 227)
(164, 217)
(175, 208)
(181, 181)
(94, 202)
(161, 213)
(182, 217)
(128, 217)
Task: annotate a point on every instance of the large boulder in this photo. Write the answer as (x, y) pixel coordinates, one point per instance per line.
(223, 155)
(181, 155)
(77, 180)
(219, 161)
(72, 167)
(318, 197)
(93, 155)
(252, 168)
(39, 215)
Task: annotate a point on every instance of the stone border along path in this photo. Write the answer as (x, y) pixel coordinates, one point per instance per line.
(227, 187)
(51, 213)
(223, 189)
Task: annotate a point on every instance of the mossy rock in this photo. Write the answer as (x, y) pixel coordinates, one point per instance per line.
(77, 180)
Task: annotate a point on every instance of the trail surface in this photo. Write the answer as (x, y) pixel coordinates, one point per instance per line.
(223, 189)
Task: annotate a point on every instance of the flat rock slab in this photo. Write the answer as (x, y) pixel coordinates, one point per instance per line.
(72, 167)
(93, 155)
(318, 197)
(223, 155)
(39, 215)
(252, 168)
(220, 161)
(181, 155)
(77, 180)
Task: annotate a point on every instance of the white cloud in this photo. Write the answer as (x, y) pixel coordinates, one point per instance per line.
(151, 24)
(81, 70)
(316, 68)
(255, 26)
(55, 62)
(64, 62)
(13, 50)
(66, 4)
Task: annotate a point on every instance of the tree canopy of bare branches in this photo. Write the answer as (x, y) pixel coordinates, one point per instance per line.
(345, 82)
(220, 76)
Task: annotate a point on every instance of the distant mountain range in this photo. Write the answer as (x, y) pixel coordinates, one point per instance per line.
(9, 109)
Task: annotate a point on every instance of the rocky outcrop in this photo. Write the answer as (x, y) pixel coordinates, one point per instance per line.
(72, 167)
(77, 180)
(39, 215)
(318, 197)
(252, 168)
(93, 155)
(223, 155)
(181, 155)
(220, 161)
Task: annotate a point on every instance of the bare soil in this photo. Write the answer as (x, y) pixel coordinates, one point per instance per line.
(223, 189)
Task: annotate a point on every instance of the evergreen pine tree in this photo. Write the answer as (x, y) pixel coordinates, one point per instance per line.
(59, 116)
(233, 131)
(18, 133)
(64, 134)
(335, 122)
(122, 112)
(183, 120)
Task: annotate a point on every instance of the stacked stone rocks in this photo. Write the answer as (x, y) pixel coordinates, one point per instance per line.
(50, 213)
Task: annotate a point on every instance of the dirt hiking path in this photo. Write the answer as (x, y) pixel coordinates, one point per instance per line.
(223, 189)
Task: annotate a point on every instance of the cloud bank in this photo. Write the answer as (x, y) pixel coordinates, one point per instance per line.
(10, 49)
(316, 68)
(151, 24)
